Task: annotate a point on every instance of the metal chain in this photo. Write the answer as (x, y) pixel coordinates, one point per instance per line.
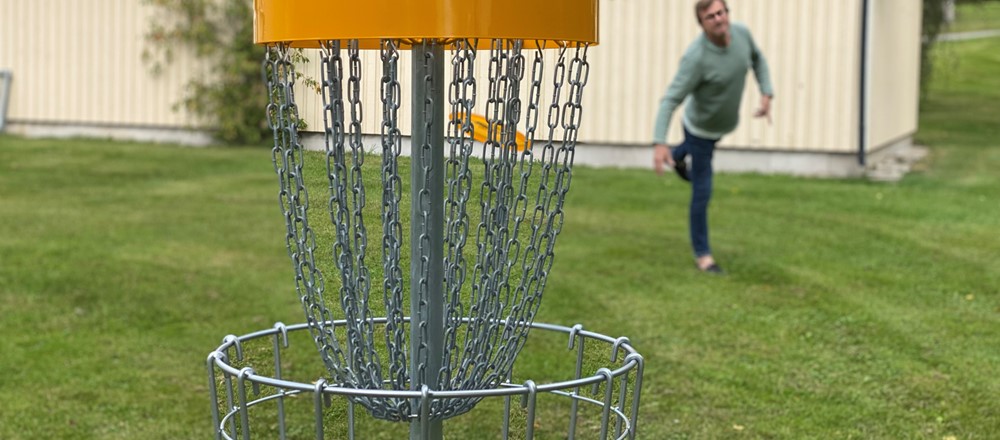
(501, 213)
(368, 358)
(483, 302)
(392, 225)
(462, 99)
(515, 203)
(345, 251)
(287, 157)
(553, 200)
(514, 240)
(516, 323)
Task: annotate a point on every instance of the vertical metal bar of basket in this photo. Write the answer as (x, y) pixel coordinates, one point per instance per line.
(244, 411)
(505, 429)
(213, 391)
(530, 403)
(575, 404)
(427, 220)
(622, 395)
(350, 420)
(230, 402)
(637, 390)
(609, 386)
(282, 332)
(318, 407)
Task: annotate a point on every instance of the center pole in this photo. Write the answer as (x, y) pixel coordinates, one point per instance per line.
(427, 302)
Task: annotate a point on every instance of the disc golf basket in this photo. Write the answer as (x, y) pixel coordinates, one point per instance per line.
(483, 217)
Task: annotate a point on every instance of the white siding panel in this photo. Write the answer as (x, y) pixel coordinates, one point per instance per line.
(811, 47)
(895, 56)
(81, 62)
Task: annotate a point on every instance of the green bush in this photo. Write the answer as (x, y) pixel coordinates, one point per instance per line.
(229, 98)
(933, 22)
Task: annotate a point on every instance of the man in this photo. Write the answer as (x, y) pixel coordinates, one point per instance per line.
(711, 77)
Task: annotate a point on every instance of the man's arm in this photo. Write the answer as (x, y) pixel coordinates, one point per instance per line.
(763, 76)
(682, 85)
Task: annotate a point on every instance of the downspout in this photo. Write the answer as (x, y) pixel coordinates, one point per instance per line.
(865, 75)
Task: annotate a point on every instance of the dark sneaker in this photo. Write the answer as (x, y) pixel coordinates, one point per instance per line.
(682, 170)
(713, 269)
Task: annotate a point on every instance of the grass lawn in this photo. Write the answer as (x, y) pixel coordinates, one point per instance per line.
(976, 17)
(851, 309)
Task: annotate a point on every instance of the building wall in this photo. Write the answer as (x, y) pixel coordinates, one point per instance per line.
(811, 47)
(895, 89)
(78, 62)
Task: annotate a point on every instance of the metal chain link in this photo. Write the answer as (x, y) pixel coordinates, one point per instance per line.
(514, 241)
(516, 323)
(392, 225)
(462, 99)
(483, 301)
(287, 157)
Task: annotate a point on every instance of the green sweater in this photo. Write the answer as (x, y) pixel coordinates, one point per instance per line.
(712, 79)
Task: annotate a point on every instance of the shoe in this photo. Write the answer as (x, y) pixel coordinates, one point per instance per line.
(713, 269)
(682, 170)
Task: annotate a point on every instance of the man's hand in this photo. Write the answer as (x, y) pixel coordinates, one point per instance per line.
(661, 155)
(765, 108)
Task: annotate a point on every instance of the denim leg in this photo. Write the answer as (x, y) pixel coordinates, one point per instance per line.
(701, 151)
(681, 151)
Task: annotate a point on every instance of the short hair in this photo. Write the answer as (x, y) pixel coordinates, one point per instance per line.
(701, 5)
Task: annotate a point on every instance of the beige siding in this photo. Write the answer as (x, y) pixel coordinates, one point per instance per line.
(811, 47)
(894, 88)
(80, 62)
(311, 102)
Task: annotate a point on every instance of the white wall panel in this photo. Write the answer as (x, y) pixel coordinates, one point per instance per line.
(894, 57)
(81, 62)
(812, 48)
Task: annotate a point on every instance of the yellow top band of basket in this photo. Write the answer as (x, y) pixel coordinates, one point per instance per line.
(304, 23)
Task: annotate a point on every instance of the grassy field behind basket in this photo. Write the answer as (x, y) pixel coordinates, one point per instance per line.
(851, 309)
(976, 17)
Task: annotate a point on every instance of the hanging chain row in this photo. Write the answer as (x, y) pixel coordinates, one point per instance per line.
(461, 99)
(288, 159)
(346, 205)
(392, 225)
(490, 318)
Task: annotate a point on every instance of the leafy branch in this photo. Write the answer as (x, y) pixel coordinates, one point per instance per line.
(230, 97)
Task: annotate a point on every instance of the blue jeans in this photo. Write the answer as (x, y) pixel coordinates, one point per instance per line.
(700, 172)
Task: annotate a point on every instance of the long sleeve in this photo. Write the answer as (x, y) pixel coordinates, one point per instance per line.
(760, 70)
(682, 85)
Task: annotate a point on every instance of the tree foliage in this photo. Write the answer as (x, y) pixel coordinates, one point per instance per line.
(933, 23)
(230, 96)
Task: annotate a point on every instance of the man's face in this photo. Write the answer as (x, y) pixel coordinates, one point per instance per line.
(715, 20)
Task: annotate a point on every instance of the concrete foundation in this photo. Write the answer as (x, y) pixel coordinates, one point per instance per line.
(119, 133)
(888, 163)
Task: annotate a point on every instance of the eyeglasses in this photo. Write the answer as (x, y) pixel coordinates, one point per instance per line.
(711, 16)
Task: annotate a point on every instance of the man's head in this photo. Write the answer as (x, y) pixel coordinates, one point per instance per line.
(713, 16)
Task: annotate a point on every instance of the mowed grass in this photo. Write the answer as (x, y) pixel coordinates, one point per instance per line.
(851, 309)
(976, 17)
